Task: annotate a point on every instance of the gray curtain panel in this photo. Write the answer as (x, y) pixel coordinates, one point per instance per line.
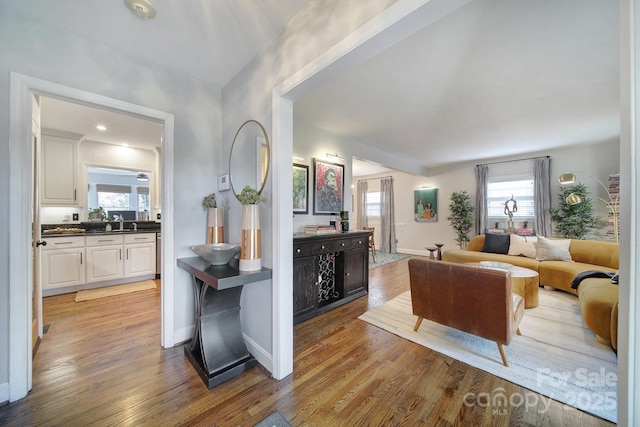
(542, 195)
(481, 198)
(361, 220)
(387, 216)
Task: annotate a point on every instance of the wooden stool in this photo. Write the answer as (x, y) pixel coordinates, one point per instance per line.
(431, 251)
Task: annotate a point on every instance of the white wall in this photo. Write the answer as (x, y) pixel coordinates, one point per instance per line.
(313, 31)
(62, 57)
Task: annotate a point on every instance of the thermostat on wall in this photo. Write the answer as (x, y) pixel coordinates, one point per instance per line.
(223, 183)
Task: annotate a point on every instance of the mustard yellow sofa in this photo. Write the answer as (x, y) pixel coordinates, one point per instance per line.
(598, 297)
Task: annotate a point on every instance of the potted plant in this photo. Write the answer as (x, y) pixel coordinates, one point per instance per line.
(97, 215)
(250, 196)
(461, 216)
(209, 201)
(250, 250)
(577, 220)
(215, 221)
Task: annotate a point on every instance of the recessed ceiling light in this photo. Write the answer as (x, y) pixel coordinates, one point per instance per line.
(143, 9)
(101, 127)
(124, 144)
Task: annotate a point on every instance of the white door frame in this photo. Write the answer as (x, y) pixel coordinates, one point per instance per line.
(20, 200)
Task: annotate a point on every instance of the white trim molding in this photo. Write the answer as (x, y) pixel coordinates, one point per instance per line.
(21, 189)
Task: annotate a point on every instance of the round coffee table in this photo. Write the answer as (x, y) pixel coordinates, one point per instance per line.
(524, 282)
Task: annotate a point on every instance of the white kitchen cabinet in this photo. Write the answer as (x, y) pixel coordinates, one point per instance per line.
(63, 262)
(59, 177)
(105, 258)
(139, 254)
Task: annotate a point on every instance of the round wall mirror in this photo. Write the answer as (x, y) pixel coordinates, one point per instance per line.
(249, 158)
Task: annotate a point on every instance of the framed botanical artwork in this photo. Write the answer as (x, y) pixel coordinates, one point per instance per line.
(328, 187)
(425, 205)
(300, 189)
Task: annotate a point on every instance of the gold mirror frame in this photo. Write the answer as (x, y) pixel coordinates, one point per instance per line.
(249, 158)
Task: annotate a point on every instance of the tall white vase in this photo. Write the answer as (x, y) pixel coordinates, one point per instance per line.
(250, 243)
(215, 226)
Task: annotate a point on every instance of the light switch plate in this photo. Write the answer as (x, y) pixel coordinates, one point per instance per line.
(223, 183)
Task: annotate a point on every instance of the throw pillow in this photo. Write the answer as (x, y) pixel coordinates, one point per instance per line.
(522, 245)
(496, 243)
(553, 250)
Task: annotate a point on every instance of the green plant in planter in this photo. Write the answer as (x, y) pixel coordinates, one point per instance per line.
(574, 221)
(97, 214)
(461, 216)
(250, 196)
(209, 201)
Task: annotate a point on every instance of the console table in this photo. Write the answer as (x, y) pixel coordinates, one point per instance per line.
(217, 350)
(328, 271)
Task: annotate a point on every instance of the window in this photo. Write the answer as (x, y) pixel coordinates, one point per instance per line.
(498, 192)
(114, 196)
(373, 204)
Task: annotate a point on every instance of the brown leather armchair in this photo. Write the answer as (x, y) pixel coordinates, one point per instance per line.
(474, 299)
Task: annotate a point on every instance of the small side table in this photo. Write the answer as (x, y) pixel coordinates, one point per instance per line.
(439, 246)
(217, 350)
(431, 252)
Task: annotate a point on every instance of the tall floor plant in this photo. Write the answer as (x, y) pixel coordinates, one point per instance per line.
(574, 221)
(461, 216)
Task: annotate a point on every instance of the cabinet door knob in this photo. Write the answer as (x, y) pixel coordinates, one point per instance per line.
(322, 247)
(298, 250)
(342, 244)
(348, 274)
(359, 242)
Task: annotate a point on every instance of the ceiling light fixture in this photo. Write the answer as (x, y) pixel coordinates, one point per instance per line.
(101, 127)
(143, 9)
(143, 177)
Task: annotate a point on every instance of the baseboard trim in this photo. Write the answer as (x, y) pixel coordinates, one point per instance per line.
(412, 252)
(4, 392)
(262, 356)
(183, 335)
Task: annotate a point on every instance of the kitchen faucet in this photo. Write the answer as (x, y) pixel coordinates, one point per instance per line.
(135, 227)
(121, 221)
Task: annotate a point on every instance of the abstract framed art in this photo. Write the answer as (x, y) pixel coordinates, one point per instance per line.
(425, 205)
(328, 187)
(300, 189)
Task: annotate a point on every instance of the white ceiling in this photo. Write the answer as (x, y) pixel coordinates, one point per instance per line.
(495, 78)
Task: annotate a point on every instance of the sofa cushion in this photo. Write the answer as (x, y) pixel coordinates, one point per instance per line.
(552, 250)
(522, 245)
(496, 243)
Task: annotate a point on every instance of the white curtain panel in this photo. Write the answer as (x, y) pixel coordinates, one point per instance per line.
(387, 216)
(361, 220)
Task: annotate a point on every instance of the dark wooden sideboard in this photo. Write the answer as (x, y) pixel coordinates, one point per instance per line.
(328, 271)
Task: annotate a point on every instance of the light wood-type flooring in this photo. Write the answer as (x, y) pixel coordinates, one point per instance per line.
(101, 363)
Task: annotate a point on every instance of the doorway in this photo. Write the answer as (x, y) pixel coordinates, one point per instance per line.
(20, 218)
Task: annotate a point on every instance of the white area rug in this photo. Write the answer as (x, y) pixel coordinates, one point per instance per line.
(109, 291)
(556, 355)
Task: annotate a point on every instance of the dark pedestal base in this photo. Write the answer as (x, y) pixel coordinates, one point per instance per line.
(217, 349)
(212, 379)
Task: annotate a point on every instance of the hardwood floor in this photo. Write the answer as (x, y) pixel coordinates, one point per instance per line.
(101, 364)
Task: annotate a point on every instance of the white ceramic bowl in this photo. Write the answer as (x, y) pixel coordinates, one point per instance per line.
(496, 264)
(216, 253)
